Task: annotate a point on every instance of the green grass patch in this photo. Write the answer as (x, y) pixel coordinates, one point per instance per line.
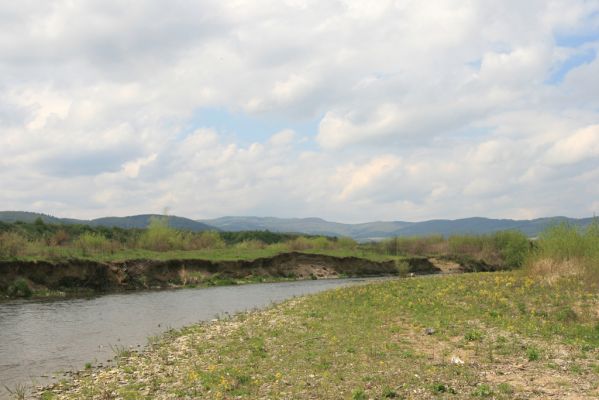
(368, 341)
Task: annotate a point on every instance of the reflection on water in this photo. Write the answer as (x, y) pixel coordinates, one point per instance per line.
(40, 338)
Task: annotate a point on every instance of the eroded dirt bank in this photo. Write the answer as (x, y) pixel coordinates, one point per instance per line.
(75, 275)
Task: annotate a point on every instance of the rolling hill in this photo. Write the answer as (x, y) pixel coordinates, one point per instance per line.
(135, 221)
(317, 226)
(382, 229)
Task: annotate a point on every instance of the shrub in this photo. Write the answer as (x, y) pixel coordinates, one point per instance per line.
(20, 288)
(420, 246)
(58, 238)
(12, 245)
(403, 267)
(346, 243)
(206, 240)
(160, 237)
(565, 250)
(506, 248)
(478, 247)
(320, 243)
(90, 243)
(513, 246)
(298, 244)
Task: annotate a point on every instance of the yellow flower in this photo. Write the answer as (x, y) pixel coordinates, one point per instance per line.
(192, 376)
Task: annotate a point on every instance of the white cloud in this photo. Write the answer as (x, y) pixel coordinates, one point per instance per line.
(414, 109)
(574, 148)
(282, 138)
(359, 177)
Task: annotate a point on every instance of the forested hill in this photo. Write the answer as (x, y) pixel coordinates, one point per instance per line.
(382, 229)
(134, 221)
(317, 226)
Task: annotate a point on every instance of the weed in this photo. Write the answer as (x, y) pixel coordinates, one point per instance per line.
(359, 394)
(505, 388)
(439, 388)
(576, 368)
(566, 314)
(389, 393)
(533, 354)
(47, 395)
(473, 335)
(18, 392)
(483, 390)
(120, 351)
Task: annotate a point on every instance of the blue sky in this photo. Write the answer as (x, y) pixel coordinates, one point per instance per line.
(339, 109)
(246, 129)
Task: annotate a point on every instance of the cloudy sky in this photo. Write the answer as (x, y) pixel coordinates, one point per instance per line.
(347, 110)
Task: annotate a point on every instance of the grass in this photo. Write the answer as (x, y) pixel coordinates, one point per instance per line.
(368, 342)
(18, 392)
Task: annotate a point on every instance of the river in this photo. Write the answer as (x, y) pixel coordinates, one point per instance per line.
(42, 339)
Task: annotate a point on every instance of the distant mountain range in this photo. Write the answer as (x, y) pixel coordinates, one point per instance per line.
(382, 229)
(135, 221)
(317, 226)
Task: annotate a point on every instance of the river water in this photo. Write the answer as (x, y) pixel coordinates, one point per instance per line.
(40, 339)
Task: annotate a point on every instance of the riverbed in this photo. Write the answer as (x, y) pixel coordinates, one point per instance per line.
(40, 340)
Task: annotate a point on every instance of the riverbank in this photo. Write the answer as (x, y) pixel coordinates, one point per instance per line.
(496, 335)
(45, 278)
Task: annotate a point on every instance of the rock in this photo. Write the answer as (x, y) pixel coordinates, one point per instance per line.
(456, 360)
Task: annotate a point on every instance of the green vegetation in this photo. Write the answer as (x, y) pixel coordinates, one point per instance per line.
(20, 288)
(531, 332)
(19, 392)
(564, 250)
(43, 241)
(369, 341)
(507, 249)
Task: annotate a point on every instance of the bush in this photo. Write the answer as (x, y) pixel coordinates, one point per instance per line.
(565, 250)
(90, 243)
(346, 243)
(20, 288)
(506, 248)
(160, 237)
(206, 240)
(403, 267)
(513, 246)
(58, 238)
(298, 244)
(320, 243)
(12, 245)
(414, 246)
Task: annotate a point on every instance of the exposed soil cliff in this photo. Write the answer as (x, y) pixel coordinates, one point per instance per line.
(142, 274)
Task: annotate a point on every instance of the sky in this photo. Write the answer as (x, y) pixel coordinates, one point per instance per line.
(347, 110)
